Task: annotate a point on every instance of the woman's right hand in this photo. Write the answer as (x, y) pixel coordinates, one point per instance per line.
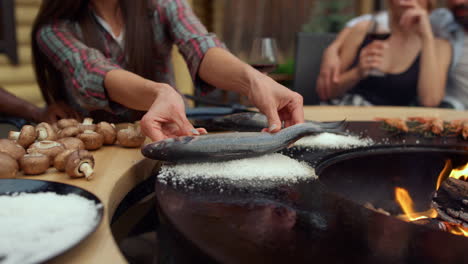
(371, 58)
(166, 117)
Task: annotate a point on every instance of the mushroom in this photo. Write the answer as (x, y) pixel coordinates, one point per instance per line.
(34, 164)
(91, 139)
(26, 137)
(108, 132)
(8, 166)
(130, 137)
(80, 164)
(9, 147)
(87, 125)
(72, 143)
(68, 122)
(61, 159)
(49, 148)
(55, 127)
(45, 132)
(70, 131)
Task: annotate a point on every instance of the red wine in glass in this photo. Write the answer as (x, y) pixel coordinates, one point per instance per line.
(378, 36)
(264, 55)
(265, 68)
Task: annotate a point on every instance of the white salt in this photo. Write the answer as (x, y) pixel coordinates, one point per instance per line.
(35, 227)
(332, 141)
(273, 167)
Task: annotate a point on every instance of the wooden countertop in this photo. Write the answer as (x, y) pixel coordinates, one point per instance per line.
(118, 170)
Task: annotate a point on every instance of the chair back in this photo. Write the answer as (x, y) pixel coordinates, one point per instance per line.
(309, 50)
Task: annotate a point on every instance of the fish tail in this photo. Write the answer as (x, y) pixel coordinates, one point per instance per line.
(332, 127)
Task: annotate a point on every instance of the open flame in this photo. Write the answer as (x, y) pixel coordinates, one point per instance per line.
(406, 203)
(460, 173)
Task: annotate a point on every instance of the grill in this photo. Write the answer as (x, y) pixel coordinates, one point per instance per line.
(321, 220)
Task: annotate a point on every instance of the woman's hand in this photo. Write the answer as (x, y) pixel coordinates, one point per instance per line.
(329, 73)
(166, 117)
(371, 58)
(56, 111)
(277, 102)
(416, 18)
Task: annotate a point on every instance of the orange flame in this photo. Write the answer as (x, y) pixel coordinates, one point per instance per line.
(407, 205)
(444, 174)
(460, 173)
(458, 230)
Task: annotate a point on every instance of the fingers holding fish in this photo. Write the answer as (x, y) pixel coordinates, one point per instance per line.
(166, 117)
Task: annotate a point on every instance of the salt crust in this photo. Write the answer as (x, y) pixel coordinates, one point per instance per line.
(35, 227)
(272, 167)
(332, 141)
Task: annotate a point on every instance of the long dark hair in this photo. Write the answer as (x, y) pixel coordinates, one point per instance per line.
(139, 41)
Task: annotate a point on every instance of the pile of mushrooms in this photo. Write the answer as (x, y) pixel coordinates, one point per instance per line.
(64, 145)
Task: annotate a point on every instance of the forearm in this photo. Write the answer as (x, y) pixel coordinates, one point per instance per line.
(223, 70)
(347, 81)
(431, 85)
(131, 90)
(14, 106)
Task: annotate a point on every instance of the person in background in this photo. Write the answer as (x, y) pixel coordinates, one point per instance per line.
(14, 107)
(450, 24)
(415, 63)
(111, 60)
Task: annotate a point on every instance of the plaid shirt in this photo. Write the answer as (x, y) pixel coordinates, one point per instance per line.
(84, 68)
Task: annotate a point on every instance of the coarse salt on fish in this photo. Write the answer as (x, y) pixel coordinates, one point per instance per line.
(272, 167)
(333, 141)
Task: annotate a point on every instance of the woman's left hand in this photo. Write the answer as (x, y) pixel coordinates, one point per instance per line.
(416, 18)
(277, 102)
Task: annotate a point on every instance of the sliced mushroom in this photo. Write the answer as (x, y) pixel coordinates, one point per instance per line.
(72, 143)
(68, 122)
(131, 137)
(87, 125)
(25, 137)
(61, 159)
(8, 166)
(80, 164)
(49, 148)
(69, 132)
(45, 132)
(108, 131)
(34, 164)
(91, 139)
(10, 147)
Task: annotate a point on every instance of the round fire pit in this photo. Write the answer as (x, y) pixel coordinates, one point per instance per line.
(313, 221)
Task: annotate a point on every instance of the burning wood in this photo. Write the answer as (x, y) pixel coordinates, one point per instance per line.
(451, 201)
(378, 210)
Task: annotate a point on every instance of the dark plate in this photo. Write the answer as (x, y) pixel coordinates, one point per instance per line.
(11, 186)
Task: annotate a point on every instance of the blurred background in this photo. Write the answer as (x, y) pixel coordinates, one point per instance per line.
(237, 22)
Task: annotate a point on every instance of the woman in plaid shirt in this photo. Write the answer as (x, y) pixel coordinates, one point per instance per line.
(111, 59)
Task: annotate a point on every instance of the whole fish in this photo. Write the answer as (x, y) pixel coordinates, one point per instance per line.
(248, 122)
(229, 146)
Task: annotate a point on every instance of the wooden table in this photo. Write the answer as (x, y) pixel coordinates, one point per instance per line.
(118, 170)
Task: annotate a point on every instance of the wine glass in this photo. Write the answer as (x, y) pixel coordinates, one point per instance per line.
(379, 30)
(264, 55)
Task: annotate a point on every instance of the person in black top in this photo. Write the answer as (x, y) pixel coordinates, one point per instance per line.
(415, 63)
